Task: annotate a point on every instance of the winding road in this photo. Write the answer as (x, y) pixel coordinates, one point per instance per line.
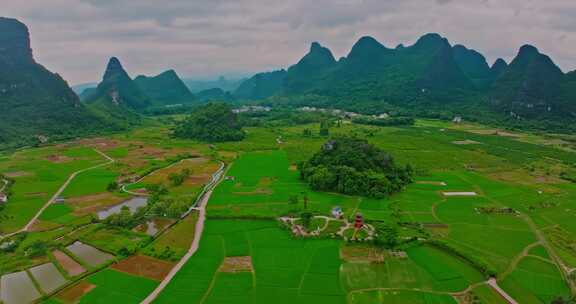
(201, 207)
(59, 192)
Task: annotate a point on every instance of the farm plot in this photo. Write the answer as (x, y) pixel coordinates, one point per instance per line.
(300, 271)
(37, 174)
(144, 266)
(535, 281)
(400, 297)
(424, 268)
(109, 286)
(18, 288)
(174, 243)
(261, 184)
(88, 254)
(72, 267)
(48, 277)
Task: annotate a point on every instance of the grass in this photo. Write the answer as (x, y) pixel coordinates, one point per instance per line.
(305, 271)
(400, 297)
(504, 171)
(36, 178)
(535, 281)
(93, 181)
(174, 243)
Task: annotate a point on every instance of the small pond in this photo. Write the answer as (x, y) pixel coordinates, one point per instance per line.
(133, 204)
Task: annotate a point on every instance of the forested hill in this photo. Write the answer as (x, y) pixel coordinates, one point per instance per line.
(165, 89)
(36, 104)
(430, 75)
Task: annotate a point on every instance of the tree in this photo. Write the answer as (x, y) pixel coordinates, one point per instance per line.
(306, 132)
(325, 127)
(112, 186)
(213, 122)
(306, 218)
(386, 236)
(293, 200)
(355, 167)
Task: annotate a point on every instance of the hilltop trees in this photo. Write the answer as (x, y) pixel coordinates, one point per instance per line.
(353, 166)
(214, 122)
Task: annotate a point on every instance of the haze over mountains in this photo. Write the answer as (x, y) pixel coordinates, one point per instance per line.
(430, 77)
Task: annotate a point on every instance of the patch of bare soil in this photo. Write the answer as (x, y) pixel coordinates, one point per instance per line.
(237, 264)
(18, 174)
(76, 292)
(293, 168)
(466, 142)
(255, 192)
(43, 226)
(362, 254)
(101, 143)
(434, 183)
(71, 266)
(58, 159)
(144, 266)
(35, 194)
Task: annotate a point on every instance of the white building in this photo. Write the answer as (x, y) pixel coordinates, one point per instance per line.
(3, 198)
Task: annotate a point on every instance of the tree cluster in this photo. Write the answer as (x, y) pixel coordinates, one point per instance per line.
(355, 167)
(214, 122)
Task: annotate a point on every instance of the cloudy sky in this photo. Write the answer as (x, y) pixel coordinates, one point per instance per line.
(206, 38)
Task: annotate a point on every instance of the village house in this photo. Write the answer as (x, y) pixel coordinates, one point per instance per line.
(3, 198)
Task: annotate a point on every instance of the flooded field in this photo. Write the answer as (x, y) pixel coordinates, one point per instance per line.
(133, 204)
(89, 254)
(48, 277)
(18, 288)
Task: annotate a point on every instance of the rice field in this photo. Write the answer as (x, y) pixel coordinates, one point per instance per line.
(488, 200)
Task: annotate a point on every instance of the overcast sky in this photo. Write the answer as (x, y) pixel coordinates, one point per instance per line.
(206, 38)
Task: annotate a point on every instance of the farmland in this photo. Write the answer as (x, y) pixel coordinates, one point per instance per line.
(493, 207)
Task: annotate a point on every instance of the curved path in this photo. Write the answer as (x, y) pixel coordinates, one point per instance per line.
(199, 228)
(59, 192)
(4, 186)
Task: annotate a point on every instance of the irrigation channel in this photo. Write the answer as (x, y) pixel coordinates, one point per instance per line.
(200, 206)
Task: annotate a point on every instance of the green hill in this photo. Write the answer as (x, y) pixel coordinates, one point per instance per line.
(530, 86)
(213, 122)
(117, 97)
(261, 85)
(474, 65)
(215, 94)
(35, 103)
(116, 86)
(165, 89)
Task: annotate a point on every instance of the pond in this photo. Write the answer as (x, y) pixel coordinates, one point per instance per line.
(133, 204)
(48, 277)
(90, 255)
(153, 226)
(18, 288)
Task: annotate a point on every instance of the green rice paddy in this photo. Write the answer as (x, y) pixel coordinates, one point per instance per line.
(262, 181)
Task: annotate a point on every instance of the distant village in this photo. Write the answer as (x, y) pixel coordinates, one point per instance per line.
(335, 112)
